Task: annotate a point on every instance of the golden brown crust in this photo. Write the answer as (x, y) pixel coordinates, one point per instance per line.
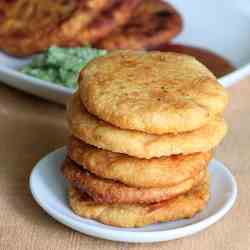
(138, 215)
(152, 92)
(108, 191)
(24, 17)
(155, 22)
(83, 23)
(103, 135)
(156, 172)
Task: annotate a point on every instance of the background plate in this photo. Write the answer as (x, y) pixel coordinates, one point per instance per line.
(49, 189)
(221, 26)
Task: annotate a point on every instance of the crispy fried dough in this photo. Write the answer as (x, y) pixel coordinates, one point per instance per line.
(156, 172)
(108, 191)
(103, 135)
(24, 17)
(155, 22)
(29, 27)
(117, 15)
(152, 92)
(138, 215)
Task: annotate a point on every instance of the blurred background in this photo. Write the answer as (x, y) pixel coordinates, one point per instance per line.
(53, 40)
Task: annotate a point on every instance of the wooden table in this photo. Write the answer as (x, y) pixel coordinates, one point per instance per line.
(31, 127)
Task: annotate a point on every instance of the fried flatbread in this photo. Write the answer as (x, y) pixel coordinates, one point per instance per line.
(108, 191)
(24, 17)
(152, 92)
(141, 173)
(101, 134)
(138, 215)
(154, 22)
(28, 27)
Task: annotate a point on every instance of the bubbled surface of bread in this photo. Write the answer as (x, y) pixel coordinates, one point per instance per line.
(109, 191)
(138, 215)
(156, 172)
(152, 92)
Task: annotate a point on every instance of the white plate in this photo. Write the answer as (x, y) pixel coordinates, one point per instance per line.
(49, 189)
(221, 26)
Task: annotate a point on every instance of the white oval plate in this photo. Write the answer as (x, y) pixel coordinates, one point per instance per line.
(49, 189)
(208, 24)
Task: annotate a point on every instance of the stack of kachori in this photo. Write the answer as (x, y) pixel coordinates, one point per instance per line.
(143, 127)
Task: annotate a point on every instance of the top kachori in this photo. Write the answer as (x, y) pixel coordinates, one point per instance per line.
(152, 92)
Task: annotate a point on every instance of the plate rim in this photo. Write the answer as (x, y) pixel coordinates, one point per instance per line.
(133, 236)
(33, 80)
